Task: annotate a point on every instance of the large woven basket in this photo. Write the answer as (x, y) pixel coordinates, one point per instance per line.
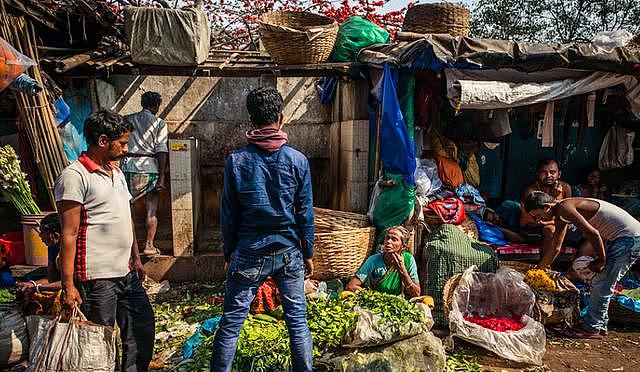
(343, 241)
(447, 294)
(438, 18)
(297, 37)
(468, 226)
(622, 316)
(328, 219)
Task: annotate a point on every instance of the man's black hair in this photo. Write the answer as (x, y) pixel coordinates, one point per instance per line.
(105, 122)
(264, 106)
(545, 162)
(537, 200)
(584, 177)
(51, 223)
(150, 100)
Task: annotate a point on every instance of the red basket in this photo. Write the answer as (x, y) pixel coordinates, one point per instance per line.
(12, 244)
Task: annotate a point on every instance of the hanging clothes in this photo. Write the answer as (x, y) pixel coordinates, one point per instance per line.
(492, 125)
(617, 149)
(547, 125)
(591, 110)
(428, 99)
(449, 172)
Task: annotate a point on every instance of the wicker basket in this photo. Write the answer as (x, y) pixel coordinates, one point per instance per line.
(622, 316)
(339, 254)
(447, 293)
(297, 37)
(328, 220)
(439, 18)
(467, 226)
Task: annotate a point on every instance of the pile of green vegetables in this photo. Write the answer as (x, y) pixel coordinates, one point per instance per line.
(264, 341)
(13, 183)
(6, 296)
(461, 362)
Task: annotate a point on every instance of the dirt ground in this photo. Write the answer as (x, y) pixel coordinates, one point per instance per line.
(620, 351)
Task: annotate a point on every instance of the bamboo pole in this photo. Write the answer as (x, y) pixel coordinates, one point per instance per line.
(36, 112)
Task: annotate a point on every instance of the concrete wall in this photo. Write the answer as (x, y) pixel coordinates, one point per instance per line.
(213, 111)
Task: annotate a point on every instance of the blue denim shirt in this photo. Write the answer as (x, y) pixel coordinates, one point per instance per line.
(267, 201)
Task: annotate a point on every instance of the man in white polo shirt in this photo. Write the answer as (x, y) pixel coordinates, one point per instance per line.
(100, 265)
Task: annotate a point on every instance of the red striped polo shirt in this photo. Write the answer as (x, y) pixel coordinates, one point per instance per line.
(105, 234)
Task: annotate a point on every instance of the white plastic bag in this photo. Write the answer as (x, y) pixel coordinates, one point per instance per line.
(370, 331)
(78, 345)
(617, 149)
(612, 39)
(14, 341)
(500, 294)
(427, 180)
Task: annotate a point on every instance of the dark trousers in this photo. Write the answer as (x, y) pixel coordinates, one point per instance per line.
(122, 300)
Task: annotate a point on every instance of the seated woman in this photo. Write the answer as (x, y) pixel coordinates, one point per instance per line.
(393, 271)
(590, 185)
(44, 295)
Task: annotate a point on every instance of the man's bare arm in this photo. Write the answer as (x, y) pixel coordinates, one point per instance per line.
(70, 224)
(556, 244)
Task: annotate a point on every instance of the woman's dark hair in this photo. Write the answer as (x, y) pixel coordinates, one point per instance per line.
(584, 177)
(264, 106)
(105, 122)
(51, 223)
(537, 200)
(150, 100)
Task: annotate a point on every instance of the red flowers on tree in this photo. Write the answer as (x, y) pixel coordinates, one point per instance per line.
(234, 22)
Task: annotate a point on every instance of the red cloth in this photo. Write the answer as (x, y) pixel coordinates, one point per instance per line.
(268, 139)
(450, 210)
(449, 172)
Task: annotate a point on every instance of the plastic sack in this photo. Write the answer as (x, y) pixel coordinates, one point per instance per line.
(12, 64)
(612, 39)
(354, 34)
(14, 341)
(502, 294)
(395, 203)
(488, 233)
(559, 306)
(427, 181)
(617, 149)
(370, 331)
(423, 352)
(208, 327)
(75, 346)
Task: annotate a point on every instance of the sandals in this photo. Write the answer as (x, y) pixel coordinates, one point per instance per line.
(581, 333)
(150, 253)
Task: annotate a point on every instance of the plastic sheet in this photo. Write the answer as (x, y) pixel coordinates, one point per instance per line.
(370, 331)
(14, 341)
(502, 294)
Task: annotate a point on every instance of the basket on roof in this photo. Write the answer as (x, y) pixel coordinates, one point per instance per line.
(343, 241)
(298, 37)
(438, 18)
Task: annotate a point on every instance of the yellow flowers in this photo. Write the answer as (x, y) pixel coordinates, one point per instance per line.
(345, 294)
(538, 279)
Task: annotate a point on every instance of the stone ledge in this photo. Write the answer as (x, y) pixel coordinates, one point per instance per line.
(200, 268)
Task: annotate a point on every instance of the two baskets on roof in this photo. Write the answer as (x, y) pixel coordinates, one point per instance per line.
(306, 38)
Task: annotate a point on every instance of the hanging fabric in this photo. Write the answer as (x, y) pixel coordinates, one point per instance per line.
(591, 110)
(547, 126)
(617, 149)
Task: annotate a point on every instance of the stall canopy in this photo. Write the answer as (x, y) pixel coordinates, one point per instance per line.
(486, 73)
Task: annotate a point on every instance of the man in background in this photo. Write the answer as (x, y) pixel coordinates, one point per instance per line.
(145, 163)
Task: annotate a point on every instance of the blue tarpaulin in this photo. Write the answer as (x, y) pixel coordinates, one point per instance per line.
(208, 327)
(397, 151)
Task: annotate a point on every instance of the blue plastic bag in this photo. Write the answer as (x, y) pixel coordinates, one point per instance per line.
(488, 233)
(206, 328)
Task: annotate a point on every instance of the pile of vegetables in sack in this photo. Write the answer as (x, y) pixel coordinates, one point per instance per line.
(493, 311)
(337, 323)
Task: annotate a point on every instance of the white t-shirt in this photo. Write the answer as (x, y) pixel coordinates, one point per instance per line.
(148, 137)
(105, 235)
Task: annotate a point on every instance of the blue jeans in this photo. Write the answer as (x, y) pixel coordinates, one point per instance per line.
(246, 273)
(621, 254)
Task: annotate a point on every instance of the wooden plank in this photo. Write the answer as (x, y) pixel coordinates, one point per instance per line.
(182, 176)
(334, 165)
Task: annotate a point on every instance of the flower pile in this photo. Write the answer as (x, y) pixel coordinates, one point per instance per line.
(495, 323)
(538, 279)
(14, 184)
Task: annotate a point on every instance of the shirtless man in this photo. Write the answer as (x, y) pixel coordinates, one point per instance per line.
(547, 181)
(615, 236)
